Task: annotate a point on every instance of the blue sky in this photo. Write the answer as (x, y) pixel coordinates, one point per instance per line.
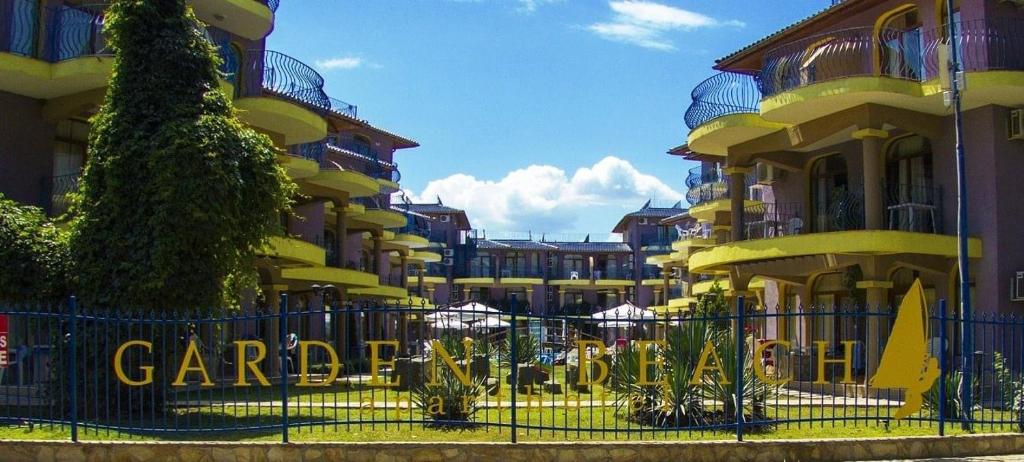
(545, 115)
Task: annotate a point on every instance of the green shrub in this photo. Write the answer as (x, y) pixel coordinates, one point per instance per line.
(34, 257)
(178, 195)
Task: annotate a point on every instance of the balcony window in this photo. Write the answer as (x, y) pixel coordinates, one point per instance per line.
(834, 204)
(900, 44)
(912, 200)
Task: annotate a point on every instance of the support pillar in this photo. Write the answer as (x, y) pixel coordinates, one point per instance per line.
(666, 282)
(405, 272)
(871, 144)
(422, 268)
(271, 330)
(737, 193)
(340, 234)
(378, 249)
(529, 298)
(340, 324)
(561, 298)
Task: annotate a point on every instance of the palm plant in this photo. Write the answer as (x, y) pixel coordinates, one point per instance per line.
(450, 402)
(953, 406)
(755, 393)
(527, 350)
(674, 402)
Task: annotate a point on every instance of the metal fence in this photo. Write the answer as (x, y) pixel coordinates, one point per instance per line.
(289, 369)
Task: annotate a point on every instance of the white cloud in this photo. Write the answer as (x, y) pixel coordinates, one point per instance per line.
(529, 6)
(646, 23)
(545, 198)
(348, 62)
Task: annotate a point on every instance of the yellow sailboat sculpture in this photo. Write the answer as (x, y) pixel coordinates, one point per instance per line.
(906, 362)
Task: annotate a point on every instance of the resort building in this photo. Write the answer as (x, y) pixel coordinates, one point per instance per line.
(549, 273)
(345, 240)
(827, 172)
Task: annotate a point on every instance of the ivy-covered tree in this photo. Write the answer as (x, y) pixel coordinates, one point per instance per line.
(34, 256)
(713, 303)
(178, 195)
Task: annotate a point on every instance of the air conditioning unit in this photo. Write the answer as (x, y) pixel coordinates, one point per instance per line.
(643, 221)
(445, 218)
(449, 252)
(448, 261)
(768, 174)
(1017, 287)
(1015, 125)
(756, 192)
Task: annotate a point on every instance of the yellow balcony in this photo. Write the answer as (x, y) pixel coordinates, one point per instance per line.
(251, 19)
(863, 243)
(340, 184)
(384, 292)
(707, 211)
(43, 80)
(294, 251)
(298, 167)
(427, 280)
(293, 121)
(381, 217)
(336, 276)
(425, 257)
(479, 281)
(411, 241)
(586, 283)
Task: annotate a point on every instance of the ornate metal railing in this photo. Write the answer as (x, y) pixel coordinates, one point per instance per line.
(313, 151)
(722, 94)
(912, 207)
(843, 211)
(841, 54)
(713, 185)
(766, 221)
(272, 4)
(982, 45)
(52, 33)
(284, 76)
(340, 107)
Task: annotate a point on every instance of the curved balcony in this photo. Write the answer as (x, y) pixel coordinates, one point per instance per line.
(711, 185)
(720, 95)
(251, 19)
(815, 76)
(724, 112)
(378, 212)
(52, 51)
(283, 95)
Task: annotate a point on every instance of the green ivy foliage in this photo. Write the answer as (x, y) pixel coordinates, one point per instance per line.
(178, 195)
(33, 255)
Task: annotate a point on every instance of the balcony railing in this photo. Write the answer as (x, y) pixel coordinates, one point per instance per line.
(372, 202)
(284, 76)
(721, 95)
(312, 151)
(712, 185)
(910, 207)
(766, 221)
(52, 33)
(650, 272)
(366, 160)
(340, 107)
(56, 192)
(983, 45)
(432, 270)
(516, 272)
(272, 4)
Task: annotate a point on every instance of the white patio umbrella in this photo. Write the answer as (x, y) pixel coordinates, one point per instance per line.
(490, 322)
(450, 324)
(469, 312)
(614, 324)
(624, 312)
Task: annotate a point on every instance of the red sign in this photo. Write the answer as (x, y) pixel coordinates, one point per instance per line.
(3, 341)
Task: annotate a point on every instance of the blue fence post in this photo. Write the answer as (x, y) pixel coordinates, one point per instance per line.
(283, 332)
(514, 336)
(942, 367)
(73, 335)
(741, 341)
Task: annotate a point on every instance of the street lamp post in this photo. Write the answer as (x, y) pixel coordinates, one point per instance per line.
(967, 345)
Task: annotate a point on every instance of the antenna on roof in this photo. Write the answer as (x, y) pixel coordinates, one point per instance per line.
(679, 205)
(646, 204)
(544, 237)
(587, 239)
(439, 200)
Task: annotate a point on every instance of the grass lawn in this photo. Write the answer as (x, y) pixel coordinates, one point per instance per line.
(615, 425)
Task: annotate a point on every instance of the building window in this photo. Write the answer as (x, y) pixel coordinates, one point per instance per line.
(900, 45)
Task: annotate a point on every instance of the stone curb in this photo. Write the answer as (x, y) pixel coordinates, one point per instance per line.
(616, 451)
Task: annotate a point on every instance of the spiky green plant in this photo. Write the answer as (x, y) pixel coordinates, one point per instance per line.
(450, 403)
